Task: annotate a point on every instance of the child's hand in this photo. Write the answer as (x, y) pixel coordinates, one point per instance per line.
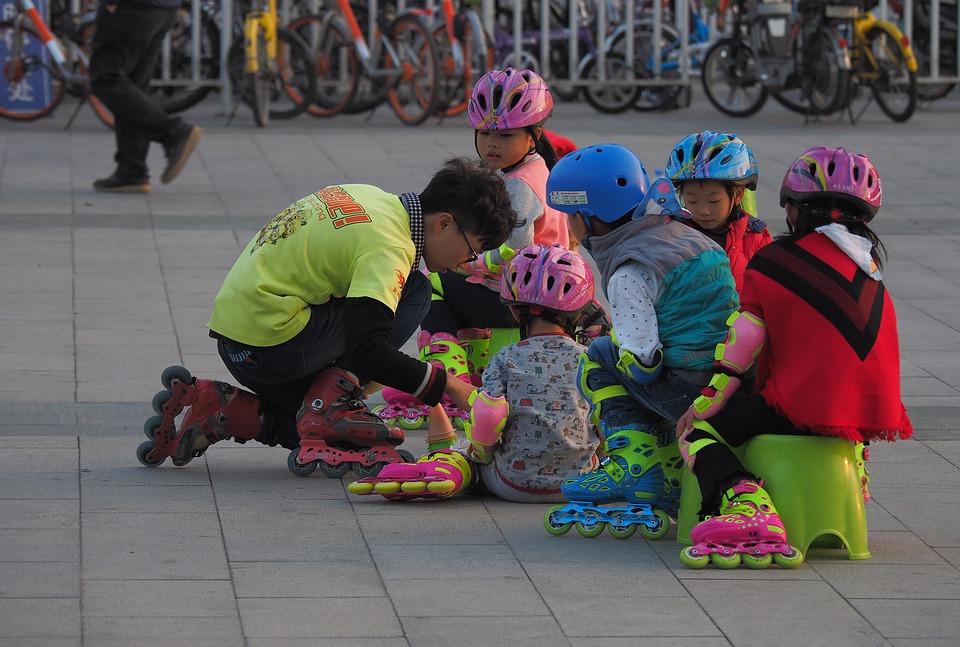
(686, 421)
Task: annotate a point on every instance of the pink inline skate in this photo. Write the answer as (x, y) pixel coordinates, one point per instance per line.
(748, 529)
(438, 474)
(218, 411)
(410, 413)
(337, 432)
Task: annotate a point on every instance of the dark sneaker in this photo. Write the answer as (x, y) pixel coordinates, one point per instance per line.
(179, 153)
(114, 184)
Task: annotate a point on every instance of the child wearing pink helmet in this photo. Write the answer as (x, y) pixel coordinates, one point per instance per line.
(818, 323)
(528, 428)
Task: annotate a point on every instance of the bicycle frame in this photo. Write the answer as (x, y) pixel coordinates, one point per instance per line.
(364, 53)
(866, 21)
(255, 21)
(54, 46)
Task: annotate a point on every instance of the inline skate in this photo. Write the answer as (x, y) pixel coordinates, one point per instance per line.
(748, 529)
(218, 411)
(631, 476)
(337, 432)
(410, 413)
(439, 474)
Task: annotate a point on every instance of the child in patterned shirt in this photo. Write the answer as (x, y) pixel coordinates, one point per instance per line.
(529, 428)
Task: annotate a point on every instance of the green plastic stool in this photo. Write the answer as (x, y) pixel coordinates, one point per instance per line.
(814, 484)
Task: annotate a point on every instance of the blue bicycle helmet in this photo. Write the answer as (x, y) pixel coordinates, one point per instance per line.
(606, 181)
(713, 156)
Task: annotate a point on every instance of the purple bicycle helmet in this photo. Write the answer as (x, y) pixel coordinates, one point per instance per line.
(834, 173)
(510, 98)
(713, 156)
(553, 278)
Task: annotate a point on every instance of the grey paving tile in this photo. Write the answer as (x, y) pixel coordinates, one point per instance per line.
(52, 578)
(893, 581)
(593, 617)
(328, 573)
(39, 618)
(149, 631)
(498, 597)
(27, 514)
(445, 561)
(483, 632)
(314, 618)
(172, 599)
(912, 619)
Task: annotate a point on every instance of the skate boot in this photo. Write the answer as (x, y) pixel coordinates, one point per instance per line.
(437, 475)
(748, 529)
(862, 451)
(218, 411)
(672, 463)
(410, 413)
(337, 432)
(480, 344)
(630, 475)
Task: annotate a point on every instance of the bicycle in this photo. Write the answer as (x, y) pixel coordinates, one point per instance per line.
(398, 65)
(923, 38)
(271, 67)
(802, 61)
(38, 66)
(883, 61)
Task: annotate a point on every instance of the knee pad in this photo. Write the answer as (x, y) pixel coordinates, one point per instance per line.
(595, 397)
(694, 439)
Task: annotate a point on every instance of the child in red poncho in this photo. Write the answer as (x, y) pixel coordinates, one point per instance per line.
(817, 321)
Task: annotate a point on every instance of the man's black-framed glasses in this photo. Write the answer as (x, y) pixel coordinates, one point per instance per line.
(473, 254)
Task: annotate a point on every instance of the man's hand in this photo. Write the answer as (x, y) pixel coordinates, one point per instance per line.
(459, 391)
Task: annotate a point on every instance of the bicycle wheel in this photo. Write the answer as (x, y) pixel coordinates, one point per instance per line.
(451, 59)
(612, 98)
(180, 97)
(731, 79)
(824, 87)
(894, 85)
(31, 86)
(335, 64)
(258, 82)
(413, 93)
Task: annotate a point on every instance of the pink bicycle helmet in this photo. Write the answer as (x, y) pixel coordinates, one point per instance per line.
(834, 173)
(510, 98)
(552, 278)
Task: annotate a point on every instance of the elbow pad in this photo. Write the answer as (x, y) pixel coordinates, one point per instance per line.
(743, 342)
(715, 395)
(483, 428)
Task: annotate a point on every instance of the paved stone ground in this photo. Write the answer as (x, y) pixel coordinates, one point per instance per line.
(98, 293)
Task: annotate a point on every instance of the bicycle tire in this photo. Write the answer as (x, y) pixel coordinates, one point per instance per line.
(829, 89)
(21, 75)
(610, 99)
(731, 78)
(178, 98)
(413, 95)
(335, 64)
(452, 73)
(895, 88)
(101, 111)
(259, 81)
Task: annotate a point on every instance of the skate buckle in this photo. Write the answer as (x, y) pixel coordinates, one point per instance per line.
(317, 404)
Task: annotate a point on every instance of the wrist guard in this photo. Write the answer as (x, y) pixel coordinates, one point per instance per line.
(715, 395)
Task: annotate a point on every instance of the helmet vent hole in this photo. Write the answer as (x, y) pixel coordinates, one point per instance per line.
(679, 155)
(726, 159)
(621, 181)
(856, 173)
(813, 168)
(482, 100)
(497, 95)
(831, 167)
(550, 282)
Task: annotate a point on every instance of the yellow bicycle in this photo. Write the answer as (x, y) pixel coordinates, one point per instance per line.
(272, 67)
(883, 61)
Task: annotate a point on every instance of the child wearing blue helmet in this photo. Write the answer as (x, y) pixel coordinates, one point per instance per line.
(712, 173)
(670, 291)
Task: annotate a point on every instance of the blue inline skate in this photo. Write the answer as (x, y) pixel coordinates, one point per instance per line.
(630, 475)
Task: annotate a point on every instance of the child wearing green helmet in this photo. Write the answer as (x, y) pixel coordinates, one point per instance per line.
(712, 172)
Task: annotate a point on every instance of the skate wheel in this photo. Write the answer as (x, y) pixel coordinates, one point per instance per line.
(363, 471)
(391, 487)
(756, 562)
(552, 525)
(160, 399)
(592, 526)
(414, 487)
(619, 530)
(725, 562)
(660, 529)
(410, 422)
(361, 488)
(297, 468)
(387, 420)
(693, 560)
(441, 487)
(151, 426)
(172, 373)
(335, 471)
(145, 448)
(791, 559)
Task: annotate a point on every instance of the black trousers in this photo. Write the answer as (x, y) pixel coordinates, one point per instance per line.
(466, 305)
(125, 50)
